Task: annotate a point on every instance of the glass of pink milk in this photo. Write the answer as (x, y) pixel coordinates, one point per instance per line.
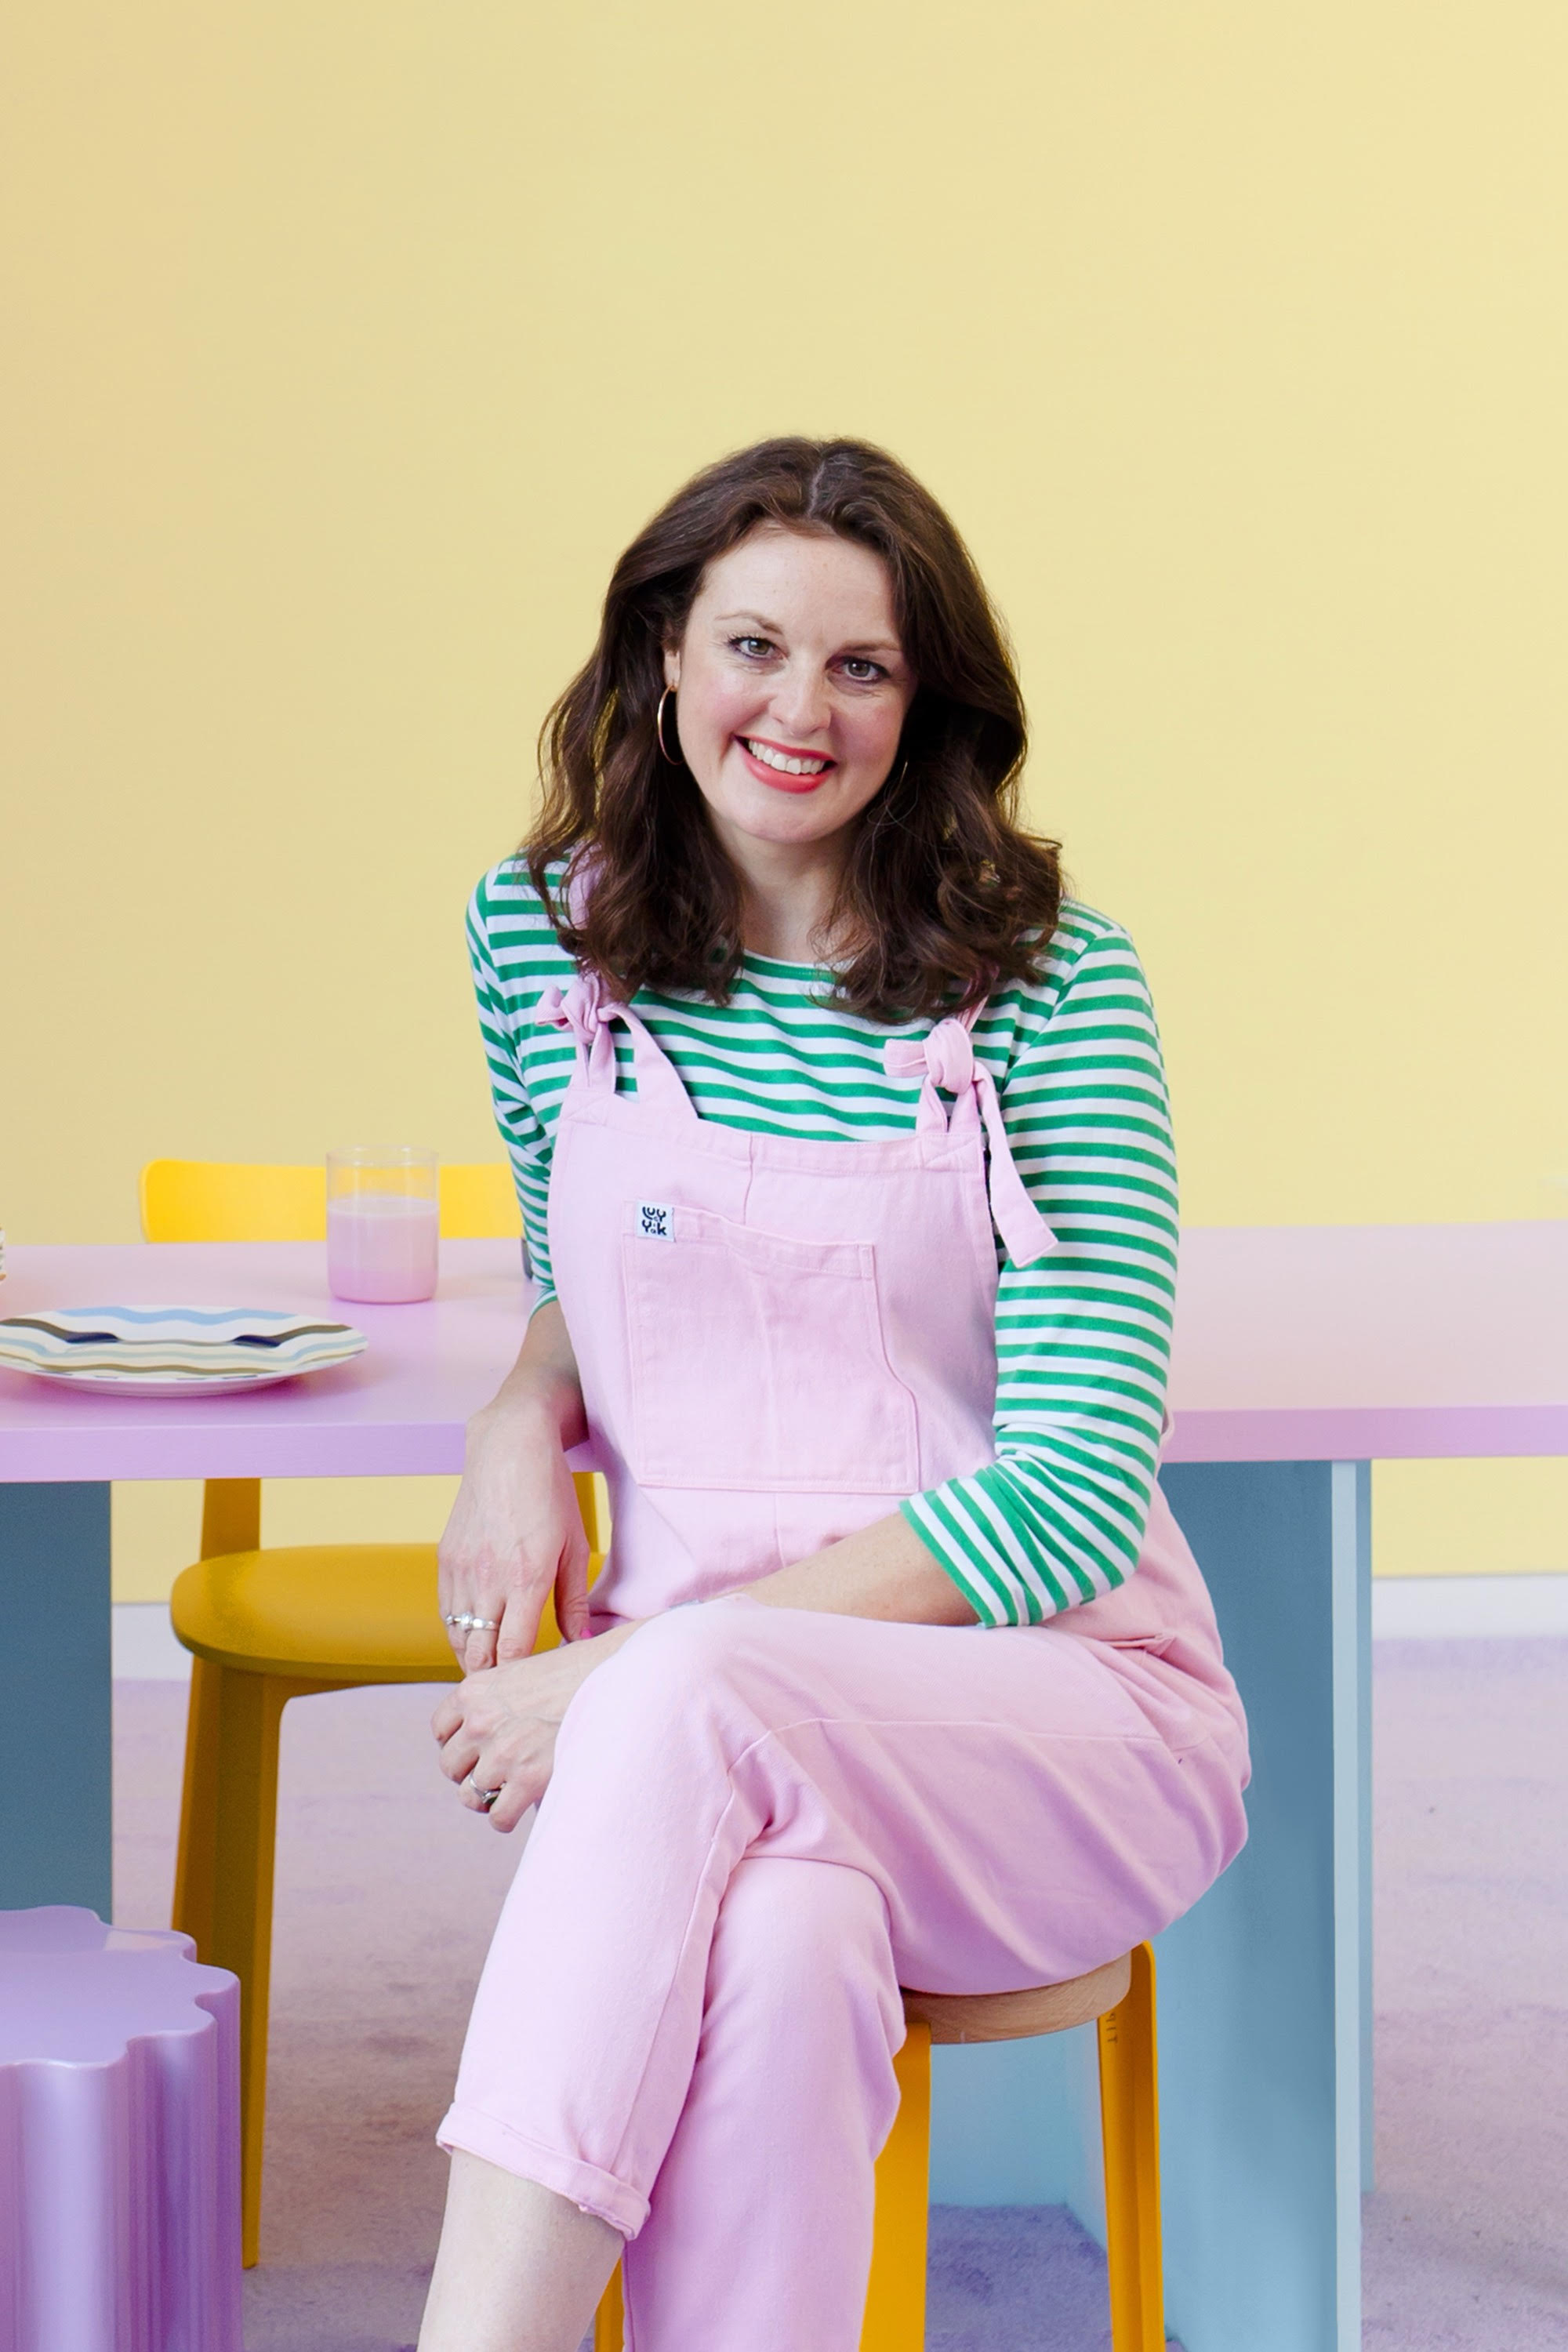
(384, 1222)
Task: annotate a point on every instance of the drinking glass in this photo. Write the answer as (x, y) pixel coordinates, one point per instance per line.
(383, 1223)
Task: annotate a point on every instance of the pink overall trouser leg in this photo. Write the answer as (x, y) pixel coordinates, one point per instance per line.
(761, 1823)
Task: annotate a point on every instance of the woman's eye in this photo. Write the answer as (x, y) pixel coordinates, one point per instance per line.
(754, 648)
(862, 671)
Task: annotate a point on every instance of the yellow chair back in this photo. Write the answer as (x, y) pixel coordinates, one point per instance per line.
(479, 1202)
(234, 1201)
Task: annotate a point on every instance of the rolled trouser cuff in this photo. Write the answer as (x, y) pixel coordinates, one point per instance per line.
(584, 2185)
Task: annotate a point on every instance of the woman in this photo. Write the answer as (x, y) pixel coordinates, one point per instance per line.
(844, 1146)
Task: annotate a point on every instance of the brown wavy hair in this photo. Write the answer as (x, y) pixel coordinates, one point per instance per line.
(943, 896)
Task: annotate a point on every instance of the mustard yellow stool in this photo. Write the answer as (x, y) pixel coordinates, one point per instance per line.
(268, 1626)
(1122, 1997)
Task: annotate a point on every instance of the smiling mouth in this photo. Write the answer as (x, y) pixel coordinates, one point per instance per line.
(794, 768)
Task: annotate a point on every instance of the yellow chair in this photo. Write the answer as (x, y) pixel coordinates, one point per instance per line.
(234, 1201)
(1122, 1997)
(268, 1626)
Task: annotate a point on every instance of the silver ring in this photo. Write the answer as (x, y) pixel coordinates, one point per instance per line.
(486, 1797)
(482, 1625)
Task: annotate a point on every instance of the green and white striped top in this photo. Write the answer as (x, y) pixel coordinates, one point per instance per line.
(1082, 1337)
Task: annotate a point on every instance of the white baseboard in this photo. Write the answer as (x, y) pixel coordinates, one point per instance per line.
(144, 1648)
(1426, 1608)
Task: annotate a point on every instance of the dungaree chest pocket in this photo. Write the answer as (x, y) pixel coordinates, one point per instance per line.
(758, 1362)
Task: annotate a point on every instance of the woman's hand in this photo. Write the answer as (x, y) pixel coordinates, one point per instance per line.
(516, 1534)
(498, 1728)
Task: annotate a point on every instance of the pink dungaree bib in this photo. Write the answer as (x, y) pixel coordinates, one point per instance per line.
(779, 1340)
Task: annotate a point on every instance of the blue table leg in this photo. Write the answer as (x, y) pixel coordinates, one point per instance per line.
(1261, 1987)
(56, 1828)
(1363, 1654)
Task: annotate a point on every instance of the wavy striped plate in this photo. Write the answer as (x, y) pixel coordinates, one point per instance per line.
(173, 1351)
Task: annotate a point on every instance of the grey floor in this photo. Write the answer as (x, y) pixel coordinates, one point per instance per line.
(385, 1904)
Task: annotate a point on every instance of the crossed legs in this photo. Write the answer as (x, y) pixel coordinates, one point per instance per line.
(760, 1822)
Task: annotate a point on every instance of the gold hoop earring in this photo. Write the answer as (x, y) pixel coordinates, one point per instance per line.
(673, 759)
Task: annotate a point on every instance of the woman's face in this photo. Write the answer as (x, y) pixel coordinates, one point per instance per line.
(791, 687)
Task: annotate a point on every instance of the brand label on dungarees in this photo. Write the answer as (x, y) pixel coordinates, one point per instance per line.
(656, 1220)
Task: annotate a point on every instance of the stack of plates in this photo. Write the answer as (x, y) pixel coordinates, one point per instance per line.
(173, 1351)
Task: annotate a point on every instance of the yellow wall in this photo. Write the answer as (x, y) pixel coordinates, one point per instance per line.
(355, 339)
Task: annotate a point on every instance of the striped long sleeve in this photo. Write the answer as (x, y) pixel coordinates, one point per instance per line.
(516, 1061)
(1083, 1335)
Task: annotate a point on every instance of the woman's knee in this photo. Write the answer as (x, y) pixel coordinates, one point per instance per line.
(802, 1983)
(797, 1912)
(802, 1933)
(687, 1654)
(686, 1686)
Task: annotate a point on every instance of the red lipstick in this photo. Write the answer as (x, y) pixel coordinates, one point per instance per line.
(776, 777)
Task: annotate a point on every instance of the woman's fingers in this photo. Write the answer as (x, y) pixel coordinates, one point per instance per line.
(503, 1792)
(519, 1630)
(493, 1615)
(504, 1624)
(462, 1583)
(457, 1608)
(456, 1633)
(514, 1517)
(475, 1737)
(509, 1807)
(472, 1634)
(498, 1730)
(460, 1755)
(572, 1592)
(503, 1795)
(480, 1650)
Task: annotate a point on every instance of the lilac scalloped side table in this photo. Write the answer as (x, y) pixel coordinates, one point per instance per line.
(118, 2139)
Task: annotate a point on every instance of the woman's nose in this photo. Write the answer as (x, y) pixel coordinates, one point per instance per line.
(800, 703)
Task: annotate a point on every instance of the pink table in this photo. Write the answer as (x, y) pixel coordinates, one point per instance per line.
(1294, 1343)
(1300, 1343)
(397, 1411)
(1303, 1354)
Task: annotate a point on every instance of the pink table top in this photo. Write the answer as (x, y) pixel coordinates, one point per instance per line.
(397, 1410)
(1361, 1343)
(1294, 1343)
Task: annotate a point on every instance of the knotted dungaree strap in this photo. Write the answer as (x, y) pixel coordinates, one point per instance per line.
(586, 1008)
(947, 1059)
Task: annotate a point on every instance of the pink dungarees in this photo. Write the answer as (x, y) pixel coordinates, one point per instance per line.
(763, 1821)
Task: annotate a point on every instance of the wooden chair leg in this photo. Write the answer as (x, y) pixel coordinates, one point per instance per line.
(223, 1882)
(1128, 2106)
(596, 1522)
(896, 2292)
(231, 1517)
(610, 2319)
(195, 1858)
(231, 1522)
